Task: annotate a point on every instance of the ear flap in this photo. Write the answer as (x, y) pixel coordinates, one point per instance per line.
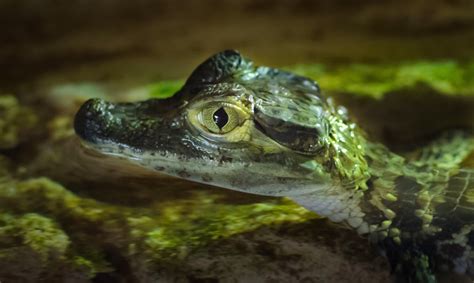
(296, 137)
(217, 68)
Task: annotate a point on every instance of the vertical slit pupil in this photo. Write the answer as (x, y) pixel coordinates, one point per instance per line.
(220, 117)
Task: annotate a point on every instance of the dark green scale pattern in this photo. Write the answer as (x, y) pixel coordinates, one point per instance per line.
(456, 211)
(424, 247)
(407, 188)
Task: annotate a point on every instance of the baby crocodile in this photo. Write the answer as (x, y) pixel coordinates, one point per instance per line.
(265, 131)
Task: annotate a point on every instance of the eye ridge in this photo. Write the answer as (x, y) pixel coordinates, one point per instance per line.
(220, 118)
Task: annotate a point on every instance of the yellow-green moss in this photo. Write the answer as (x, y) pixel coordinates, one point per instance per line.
(52, 222)
(164, 89)
(37, 232)
(185, 225)
(55, 221)
(446, 77)
(48, 197)
(15, 121)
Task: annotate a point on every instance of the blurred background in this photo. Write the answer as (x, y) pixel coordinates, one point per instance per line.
(147, 40)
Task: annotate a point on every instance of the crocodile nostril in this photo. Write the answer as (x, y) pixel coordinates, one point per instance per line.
(89, 120)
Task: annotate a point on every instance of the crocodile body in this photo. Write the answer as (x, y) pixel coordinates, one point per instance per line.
(265, 131)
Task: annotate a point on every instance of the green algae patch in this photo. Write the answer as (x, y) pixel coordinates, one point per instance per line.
(47, 197)
(60, 228)
(376, 80)
(164, 89)
(41, 234)
(15, 122)
(186, 225)
(46, 221)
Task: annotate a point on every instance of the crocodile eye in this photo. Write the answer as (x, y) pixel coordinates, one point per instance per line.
(219, 119)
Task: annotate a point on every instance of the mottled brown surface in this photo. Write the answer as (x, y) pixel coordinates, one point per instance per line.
(312, 252)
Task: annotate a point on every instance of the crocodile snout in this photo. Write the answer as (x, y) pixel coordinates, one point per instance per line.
(91, 122)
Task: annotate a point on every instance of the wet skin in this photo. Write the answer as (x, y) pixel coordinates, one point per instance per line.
(265, 131)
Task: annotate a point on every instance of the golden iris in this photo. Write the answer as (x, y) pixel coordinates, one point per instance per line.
(219, 119)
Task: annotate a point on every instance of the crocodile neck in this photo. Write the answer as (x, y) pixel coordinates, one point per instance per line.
(391, 202)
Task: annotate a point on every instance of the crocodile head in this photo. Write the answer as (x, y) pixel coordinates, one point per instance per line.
(233, 125)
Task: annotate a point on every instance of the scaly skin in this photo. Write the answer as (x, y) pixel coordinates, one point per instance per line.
(265, 131)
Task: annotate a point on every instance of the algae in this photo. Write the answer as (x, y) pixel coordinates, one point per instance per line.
(164, 89)
(41, 234)
(377, 80)
(64, 229)
(186, 225)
